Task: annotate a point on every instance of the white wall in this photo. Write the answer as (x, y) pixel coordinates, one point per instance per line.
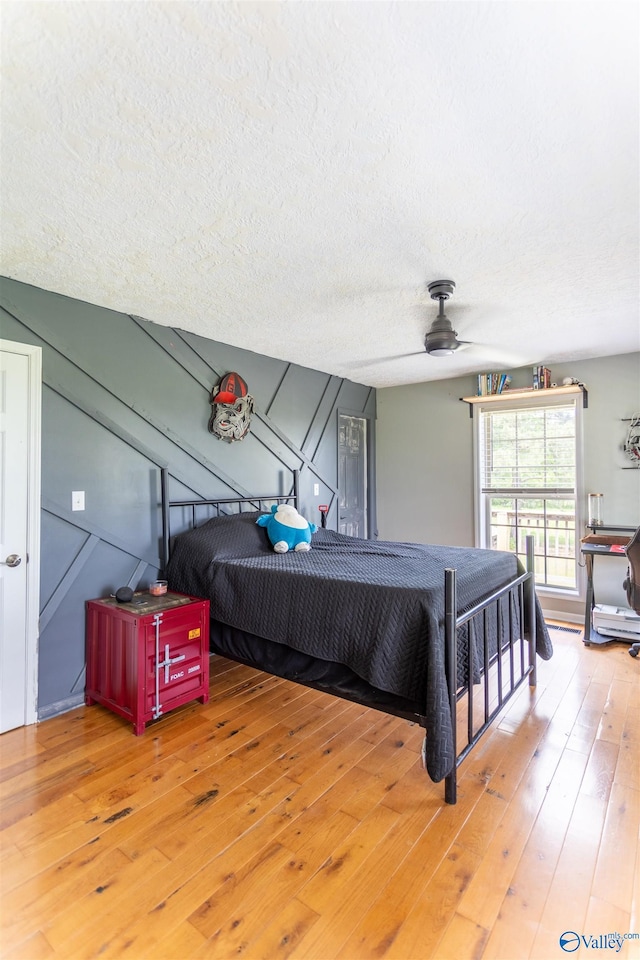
(425, 459)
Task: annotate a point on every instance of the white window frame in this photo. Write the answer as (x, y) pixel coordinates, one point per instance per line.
(524, 401)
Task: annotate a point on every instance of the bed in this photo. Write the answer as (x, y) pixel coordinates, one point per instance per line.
(405, 628)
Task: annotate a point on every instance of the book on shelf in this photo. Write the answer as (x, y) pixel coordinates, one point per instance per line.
(541, 378)
(492, 383)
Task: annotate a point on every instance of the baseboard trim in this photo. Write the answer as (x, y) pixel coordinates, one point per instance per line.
(60, 706)
(563, 616)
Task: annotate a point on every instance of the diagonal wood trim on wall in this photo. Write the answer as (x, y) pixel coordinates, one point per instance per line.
(186, 355)
(70, 575)
(124, 396)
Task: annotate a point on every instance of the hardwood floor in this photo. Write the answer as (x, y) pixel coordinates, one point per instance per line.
(278, 822)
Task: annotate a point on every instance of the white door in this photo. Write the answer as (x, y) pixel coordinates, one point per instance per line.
(20, 367)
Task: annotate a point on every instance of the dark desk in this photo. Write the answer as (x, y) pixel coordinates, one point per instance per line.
(606, 542)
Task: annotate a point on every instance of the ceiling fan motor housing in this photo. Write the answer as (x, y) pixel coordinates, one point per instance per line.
(441, 338)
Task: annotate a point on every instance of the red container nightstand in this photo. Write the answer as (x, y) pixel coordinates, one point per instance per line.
(148, 656)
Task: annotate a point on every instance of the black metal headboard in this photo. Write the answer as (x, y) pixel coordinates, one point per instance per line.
(255, 501)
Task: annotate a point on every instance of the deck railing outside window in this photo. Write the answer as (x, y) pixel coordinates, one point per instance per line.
(528, 483)
(554, 534)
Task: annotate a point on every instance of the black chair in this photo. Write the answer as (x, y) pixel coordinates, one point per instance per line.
(632, 583)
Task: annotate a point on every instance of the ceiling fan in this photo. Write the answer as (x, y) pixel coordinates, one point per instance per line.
(441, 339)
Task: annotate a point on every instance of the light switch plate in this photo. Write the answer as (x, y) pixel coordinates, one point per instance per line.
(77, 499)
(316, 489)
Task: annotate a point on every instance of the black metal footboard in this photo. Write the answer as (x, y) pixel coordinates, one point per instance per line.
(503, 670)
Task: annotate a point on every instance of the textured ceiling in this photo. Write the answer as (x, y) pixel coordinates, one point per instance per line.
(288, 177)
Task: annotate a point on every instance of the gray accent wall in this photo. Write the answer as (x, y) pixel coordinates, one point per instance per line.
(424, 464)
(123, 397)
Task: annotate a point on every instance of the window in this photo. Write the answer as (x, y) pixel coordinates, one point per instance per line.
(528, 482)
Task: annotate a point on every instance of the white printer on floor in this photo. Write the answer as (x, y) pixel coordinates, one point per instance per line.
(620, 622)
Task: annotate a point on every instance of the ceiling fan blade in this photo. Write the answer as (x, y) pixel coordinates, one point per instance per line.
(495, 356)
(397, 356)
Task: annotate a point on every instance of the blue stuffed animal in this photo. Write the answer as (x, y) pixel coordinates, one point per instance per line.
(287, 529)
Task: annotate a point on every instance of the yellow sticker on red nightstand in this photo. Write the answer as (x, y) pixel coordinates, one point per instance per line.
(194, 633)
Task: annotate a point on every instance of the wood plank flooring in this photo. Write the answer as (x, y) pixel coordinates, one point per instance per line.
(276, 821)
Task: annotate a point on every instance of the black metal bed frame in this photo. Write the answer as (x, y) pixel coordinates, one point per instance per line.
(524, 585)
(517, 649)
(168, 504)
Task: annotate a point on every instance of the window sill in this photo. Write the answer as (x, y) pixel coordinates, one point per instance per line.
(567, 593)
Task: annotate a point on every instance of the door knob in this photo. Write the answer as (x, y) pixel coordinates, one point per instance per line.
(13, 560)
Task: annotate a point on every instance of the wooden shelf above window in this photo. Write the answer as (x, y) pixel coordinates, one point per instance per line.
(530, 392)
